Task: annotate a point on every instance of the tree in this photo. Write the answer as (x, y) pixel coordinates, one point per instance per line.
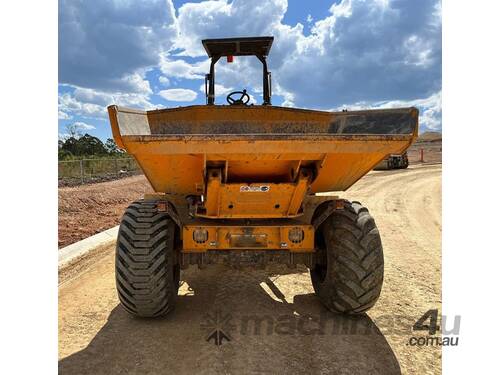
(111, 147)
(85, 145)
(73, 131)
(90, 145)
(70, 146)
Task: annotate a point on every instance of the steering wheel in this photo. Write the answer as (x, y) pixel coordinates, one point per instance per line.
(240, 100)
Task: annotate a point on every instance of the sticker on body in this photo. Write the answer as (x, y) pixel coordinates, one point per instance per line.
(254, 189)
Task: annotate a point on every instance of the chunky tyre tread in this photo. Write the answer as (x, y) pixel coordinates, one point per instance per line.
(145, 261)
(354, 272)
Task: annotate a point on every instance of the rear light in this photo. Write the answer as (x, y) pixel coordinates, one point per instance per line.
(296, 235)
(200, 235)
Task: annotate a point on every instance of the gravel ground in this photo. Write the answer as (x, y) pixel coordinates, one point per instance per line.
(297, 334)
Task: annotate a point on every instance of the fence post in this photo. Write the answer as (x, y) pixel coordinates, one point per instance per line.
(421, 155)
(81, 170)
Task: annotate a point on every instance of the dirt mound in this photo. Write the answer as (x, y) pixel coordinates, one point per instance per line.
(430, 137)
(89, 209)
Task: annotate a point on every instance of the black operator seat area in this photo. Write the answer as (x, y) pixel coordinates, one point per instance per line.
(244, 46)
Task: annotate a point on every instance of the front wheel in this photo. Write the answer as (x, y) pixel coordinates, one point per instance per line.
(349, 270)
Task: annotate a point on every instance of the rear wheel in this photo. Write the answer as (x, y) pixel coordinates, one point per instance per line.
(390, 163)
(349, 270)
(147, 269)
(405, 162)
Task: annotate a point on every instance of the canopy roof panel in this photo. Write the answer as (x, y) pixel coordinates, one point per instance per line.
(238, 46)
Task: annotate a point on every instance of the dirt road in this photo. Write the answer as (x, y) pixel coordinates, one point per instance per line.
(275, 323)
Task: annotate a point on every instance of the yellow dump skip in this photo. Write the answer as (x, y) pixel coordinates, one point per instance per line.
(259, 144)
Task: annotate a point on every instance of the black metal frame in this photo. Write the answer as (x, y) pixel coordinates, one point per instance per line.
(210, 81)
(260, 49)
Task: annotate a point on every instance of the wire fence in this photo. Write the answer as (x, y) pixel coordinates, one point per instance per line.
(76, 172)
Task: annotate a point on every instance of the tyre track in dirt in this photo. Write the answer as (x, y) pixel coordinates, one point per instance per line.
(97, 336)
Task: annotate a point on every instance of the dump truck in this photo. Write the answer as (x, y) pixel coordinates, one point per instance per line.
(393, 162)
(239, 184)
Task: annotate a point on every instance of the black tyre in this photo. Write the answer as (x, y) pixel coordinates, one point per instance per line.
(390, 163)
(405, 161)
(147, 270)
(349, 270)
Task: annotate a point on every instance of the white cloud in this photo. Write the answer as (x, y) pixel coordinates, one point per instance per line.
(289, 99)
(219, 89)
(82, 126)
(182, 69)
(164, 81)
(92, 103)
(366, 51)
(178, 95)
(218, 19)
(69, 104)
(63, 116)
(108, 45)
(418, 51)
(105, 99)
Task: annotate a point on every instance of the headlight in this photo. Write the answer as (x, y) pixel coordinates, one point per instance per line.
(296, 235)
(200, 235)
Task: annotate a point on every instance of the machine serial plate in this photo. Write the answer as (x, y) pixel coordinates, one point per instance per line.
(254, 189)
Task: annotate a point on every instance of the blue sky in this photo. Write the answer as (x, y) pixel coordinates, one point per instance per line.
(326, 55)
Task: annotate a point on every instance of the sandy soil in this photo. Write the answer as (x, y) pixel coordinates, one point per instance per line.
(89, 209)
(297, 334)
